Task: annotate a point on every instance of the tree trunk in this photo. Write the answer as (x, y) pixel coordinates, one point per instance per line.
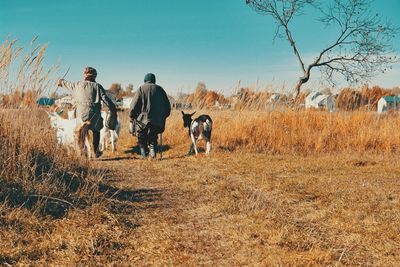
(301, 81)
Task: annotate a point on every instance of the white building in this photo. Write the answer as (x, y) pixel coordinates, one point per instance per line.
(274, 98)
(387, 103)
(127, 102)
(64, 101)
(318, 100)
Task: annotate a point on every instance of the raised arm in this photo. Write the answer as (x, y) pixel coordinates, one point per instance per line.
(66, 84)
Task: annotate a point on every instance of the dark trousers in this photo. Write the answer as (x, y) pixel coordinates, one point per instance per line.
(96, 141)
(148, 136)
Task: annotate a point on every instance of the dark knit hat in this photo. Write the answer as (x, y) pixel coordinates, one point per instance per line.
(150, 77)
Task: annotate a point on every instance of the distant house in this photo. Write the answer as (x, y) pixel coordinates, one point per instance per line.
(274, 98)
(127, 102)
(172, 100)
(179, 105)
(65, 101)
(219, 106)
(387, 103)
(45, 101)
(318, 100)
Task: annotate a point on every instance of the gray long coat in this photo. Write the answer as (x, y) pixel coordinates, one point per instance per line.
(88, 96)
(151, 105)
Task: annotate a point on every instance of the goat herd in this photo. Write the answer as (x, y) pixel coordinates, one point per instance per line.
(67, 131)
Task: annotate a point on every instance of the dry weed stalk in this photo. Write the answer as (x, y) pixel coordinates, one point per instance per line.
(23, 77)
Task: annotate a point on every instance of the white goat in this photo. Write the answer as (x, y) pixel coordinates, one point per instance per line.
(108, 136)
(69, 132)
(71, 114)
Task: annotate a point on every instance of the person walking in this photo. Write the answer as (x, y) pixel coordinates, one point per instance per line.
(150, 109)
(88, 95)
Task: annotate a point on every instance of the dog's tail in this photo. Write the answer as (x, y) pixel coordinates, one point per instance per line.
(82, 133)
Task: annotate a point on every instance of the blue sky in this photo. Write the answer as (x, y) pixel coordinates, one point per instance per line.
(183, 42)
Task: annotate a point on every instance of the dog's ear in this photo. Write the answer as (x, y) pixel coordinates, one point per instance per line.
(192, 114)
(183, 113)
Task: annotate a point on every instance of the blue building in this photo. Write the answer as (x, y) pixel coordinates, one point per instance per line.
(45, 101)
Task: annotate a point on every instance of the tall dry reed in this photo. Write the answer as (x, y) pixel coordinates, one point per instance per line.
(23, 74)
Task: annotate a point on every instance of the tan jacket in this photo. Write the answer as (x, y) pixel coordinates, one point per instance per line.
(88, 96)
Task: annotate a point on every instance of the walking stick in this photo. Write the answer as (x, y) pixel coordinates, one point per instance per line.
(63, 77)
(161, 148)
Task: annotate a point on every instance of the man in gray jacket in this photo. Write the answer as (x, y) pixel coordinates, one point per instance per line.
(88, 96)
(150, 109)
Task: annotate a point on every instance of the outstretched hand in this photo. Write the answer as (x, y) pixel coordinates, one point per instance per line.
(59, 82)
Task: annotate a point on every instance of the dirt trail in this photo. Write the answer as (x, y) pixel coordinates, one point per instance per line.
(177, 212)
(162, 195)
(250, 209)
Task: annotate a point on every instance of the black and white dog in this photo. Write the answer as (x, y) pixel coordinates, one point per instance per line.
(199, 129)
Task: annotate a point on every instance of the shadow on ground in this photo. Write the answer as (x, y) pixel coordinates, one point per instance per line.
(136, 150)
(123, 200)
(114, 158)
(139, 195)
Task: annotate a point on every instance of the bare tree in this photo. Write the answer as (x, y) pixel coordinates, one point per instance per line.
(361, 49)
(115, 88)
(129, 89)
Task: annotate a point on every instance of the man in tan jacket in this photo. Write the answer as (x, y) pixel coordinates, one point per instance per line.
(88, 95)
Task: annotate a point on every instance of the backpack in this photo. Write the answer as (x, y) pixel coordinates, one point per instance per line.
(112, 121)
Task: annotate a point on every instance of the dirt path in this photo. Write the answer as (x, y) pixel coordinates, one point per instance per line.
(248, 209)
(172, 226)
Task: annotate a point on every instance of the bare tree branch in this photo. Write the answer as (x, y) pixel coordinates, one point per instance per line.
(361, 49)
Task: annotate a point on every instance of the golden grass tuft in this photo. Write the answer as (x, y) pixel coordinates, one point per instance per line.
(296, 132)
(36, 169)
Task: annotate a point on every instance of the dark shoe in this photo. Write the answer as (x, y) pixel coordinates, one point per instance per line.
(143, 152)
(152, 152)
(98, 154)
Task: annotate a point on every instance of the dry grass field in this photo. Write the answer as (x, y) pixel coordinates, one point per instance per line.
(279, 189)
